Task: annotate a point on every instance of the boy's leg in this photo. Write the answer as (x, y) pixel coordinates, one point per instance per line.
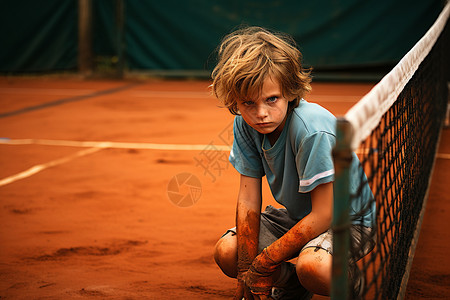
(225, 252)
(315, 260)
(314, 264)
(274, 224)
(314, 270)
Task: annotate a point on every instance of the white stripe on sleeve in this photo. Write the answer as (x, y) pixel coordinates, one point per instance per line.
(308, 182)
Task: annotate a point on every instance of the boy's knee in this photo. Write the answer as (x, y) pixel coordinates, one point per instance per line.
(225, 255)
(314, 270)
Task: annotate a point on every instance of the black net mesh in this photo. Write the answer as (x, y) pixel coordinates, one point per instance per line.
(398, 158)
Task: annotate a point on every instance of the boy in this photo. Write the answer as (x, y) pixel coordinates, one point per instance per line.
(260, 79)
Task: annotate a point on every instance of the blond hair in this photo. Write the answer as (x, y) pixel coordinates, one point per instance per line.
(248, 56)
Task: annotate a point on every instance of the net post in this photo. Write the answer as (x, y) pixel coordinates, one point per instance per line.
(342, 157)
(120, 38)
(85, 61)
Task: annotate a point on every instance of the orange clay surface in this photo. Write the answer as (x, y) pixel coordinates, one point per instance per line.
(109, 221)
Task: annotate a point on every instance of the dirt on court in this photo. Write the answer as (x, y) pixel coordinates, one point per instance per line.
(111, 219)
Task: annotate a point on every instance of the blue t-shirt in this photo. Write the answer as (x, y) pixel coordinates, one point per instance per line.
(299, 161)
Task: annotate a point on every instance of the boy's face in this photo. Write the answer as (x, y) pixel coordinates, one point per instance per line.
(266, 113)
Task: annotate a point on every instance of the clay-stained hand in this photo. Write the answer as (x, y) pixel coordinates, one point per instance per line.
(242, 290)
(259, 277)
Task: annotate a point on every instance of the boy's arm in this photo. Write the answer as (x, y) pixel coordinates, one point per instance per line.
(312, 225)
(247, 222)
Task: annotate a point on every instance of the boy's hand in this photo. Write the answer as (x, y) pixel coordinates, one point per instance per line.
(259, 276)
(242, 291)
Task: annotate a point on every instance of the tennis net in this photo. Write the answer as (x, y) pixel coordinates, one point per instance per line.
(394, 130)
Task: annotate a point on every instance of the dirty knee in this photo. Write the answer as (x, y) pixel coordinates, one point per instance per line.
(225, 255)
(314, 271)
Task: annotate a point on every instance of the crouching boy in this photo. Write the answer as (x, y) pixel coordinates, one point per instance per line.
(278, 134)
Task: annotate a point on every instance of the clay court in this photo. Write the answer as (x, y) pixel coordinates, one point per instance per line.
(91, 209)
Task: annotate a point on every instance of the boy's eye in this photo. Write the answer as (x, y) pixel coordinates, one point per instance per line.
(272, 99)
(247, 103)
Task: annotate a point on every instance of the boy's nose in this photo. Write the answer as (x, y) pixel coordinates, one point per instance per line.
(261, 111)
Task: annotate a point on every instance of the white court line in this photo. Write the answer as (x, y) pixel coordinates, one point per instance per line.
(92, 147)
(443, 155)
(117, 145)
(144, 146)
(97, 146)
(38, 168)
